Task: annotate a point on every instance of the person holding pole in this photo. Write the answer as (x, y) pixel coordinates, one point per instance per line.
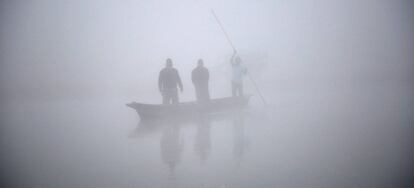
(238, 72)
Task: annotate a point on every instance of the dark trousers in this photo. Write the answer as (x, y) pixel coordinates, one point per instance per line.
(237, 89)
(202, 93)
(170, 96)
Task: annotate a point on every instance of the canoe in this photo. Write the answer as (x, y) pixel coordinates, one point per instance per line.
(188, 109)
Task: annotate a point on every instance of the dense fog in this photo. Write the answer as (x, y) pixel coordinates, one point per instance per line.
(334, 74)
(84, 49)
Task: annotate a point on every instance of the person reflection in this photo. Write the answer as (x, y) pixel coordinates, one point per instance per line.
(239, 146)
(202, 142)
(171, 145)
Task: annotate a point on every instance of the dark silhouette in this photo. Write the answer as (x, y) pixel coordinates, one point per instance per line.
(200, 77)
(168, 81)
(238, 72)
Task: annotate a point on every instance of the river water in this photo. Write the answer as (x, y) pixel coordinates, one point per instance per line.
(330, 139)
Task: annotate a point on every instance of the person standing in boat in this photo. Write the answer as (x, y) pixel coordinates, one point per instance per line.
(238, 72)
(200, 77)
(168, 81)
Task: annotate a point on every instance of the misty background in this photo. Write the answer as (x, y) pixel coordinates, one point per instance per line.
(66, 49)
(325, 63)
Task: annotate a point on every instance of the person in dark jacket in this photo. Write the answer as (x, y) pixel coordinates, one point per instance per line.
(200, 77)
(168, 81)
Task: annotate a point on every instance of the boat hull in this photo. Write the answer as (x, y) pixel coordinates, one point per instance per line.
(188, 109)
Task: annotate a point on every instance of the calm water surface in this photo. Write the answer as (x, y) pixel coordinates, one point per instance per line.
(318, 140)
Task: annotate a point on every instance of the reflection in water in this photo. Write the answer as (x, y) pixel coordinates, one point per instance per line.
(171, 145)
(173, 131)
(202, 139)
(239, 136)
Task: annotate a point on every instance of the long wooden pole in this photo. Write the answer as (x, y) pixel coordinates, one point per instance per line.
(234, 48)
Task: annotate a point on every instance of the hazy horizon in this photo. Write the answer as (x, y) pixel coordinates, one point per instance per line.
(337, 77)
(110, 48)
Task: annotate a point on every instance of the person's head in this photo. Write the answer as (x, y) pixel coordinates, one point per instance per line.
(169, 63)
(200, 63)
(238, 60)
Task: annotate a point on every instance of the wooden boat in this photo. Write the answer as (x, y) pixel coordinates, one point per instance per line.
(188, 109)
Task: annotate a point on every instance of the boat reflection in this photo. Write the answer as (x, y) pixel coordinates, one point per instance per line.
(172, 136)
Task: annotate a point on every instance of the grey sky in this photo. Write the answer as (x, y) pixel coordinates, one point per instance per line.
(87, 46)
